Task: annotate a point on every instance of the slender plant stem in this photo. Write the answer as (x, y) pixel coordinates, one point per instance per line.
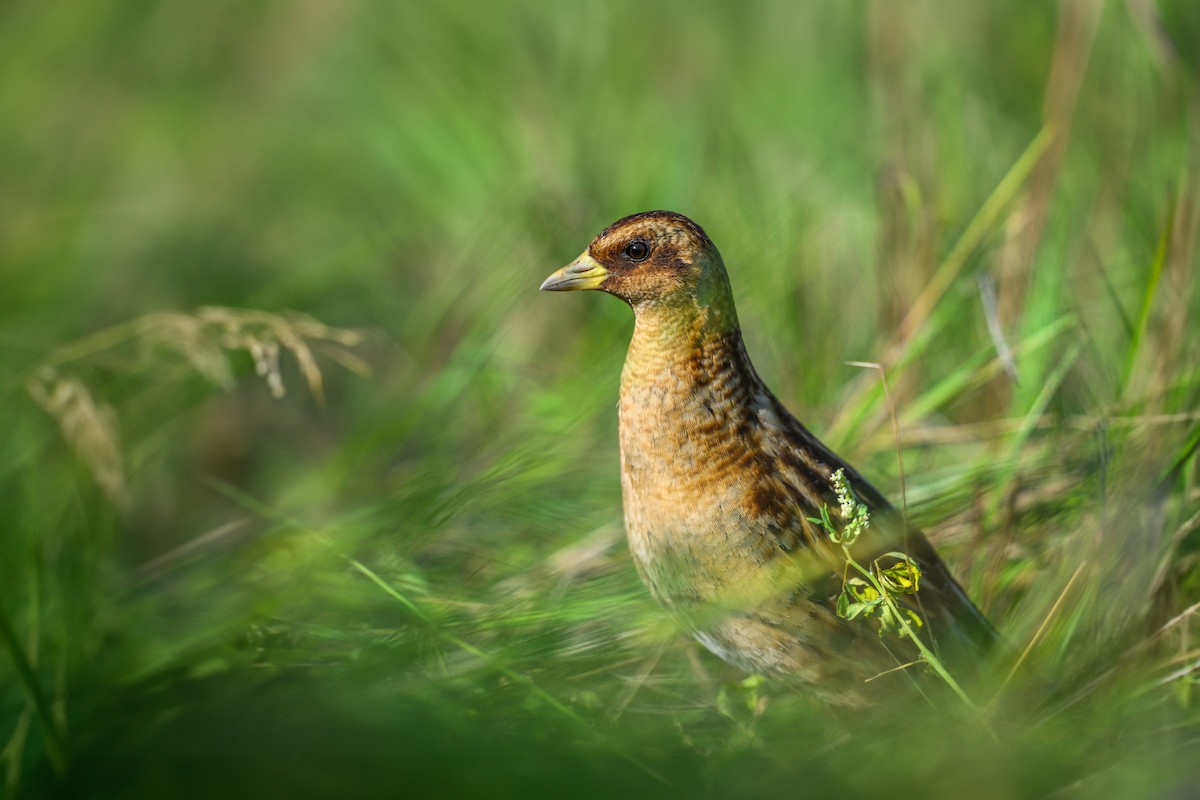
(933, 661)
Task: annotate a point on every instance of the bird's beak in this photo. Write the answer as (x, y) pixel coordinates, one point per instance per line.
(582, 273)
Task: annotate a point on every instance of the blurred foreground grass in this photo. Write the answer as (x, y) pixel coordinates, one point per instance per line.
(415, 582)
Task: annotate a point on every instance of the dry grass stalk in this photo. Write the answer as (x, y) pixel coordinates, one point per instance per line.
(204, 339)
(89, 427)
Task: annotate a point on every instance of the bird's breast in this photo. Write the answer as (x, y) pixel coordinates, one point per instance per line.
(694, 471)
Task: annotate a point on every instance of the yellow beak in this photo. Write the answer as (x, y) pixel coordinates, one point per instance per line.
(582, 273)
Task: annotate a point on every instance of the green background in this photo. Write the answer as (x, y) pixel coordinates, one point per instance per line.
(415, 580)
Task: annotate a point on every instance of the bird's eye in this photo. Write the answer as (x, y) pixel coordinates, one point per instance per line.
(637, 250)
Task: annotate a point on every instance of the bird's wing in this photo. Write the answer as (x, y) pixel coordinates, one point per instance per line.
(953, 623)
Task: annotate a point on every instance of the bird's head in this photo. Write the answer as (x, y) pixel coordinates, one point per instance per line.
(653, 260)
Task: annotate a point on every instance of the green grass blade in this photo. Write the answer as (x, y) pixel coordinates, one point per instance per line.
(55, 740)
(1149, 292)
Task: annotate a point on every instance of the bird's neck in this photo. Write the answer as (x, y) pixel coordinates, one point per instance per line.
(680, 338)
(688, 424)
(686, 367)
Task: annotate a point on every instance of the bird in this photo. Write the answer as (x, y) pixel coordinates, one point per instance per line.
(733, 508)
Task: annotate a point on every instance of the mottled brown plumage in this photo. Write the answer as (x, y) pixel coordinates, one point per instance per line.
(719, 480)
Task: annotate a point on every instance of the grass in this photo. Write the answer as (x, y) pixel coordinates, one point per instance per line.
(415, 578)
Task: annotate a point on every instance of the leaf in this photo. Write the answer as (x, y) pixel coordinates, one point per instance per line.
(843, 604)
(855, 609)
(901, 578)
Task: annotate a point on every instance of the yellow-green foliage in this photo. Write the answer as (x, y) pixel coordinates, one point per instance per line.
(413, 581)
